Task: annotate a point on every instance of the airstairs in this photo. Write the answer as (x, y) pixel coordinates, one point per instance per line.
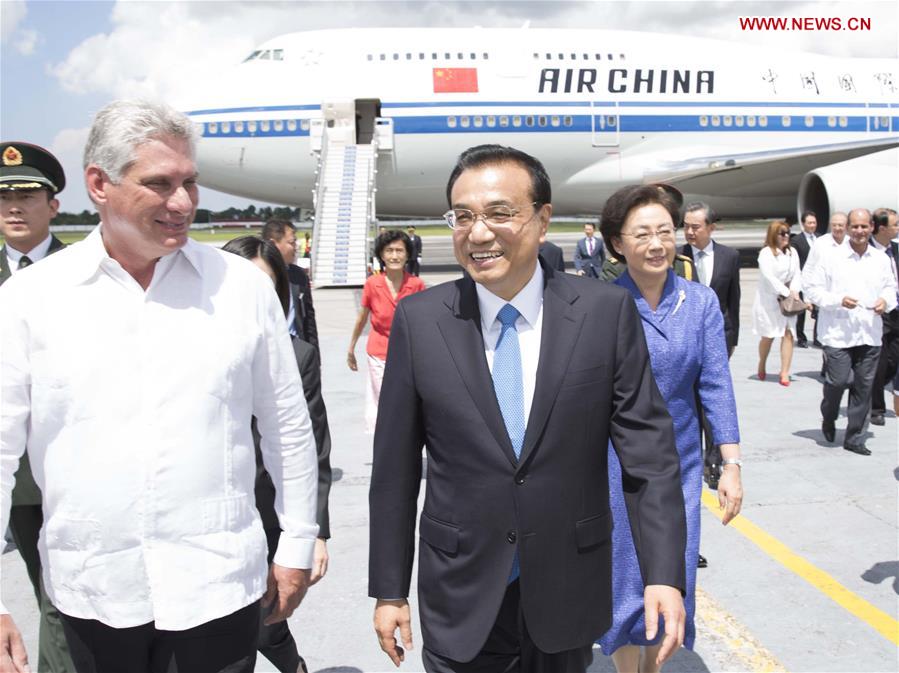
(344, 211)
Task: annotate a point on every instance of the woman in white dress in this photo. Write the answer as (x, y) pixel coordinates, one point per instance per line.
(779, 277)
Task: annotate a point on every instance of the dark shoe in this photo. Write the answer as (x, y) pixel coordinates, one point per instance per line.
(802, 344)
(860, 450)
(828, 430)
(703, 562)
(817, 344)
(877, 419)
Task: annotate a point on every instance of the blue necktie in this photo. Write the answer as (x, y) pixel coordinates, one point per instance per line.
(507, 384)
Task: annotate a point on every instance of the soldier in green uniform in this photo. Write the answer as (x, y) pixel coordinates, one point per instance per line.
(683, 267)
(30, 179)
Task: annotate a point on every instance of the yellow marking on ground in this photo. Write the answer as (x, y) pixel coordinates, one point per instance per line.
(877, 619)
(746, 653)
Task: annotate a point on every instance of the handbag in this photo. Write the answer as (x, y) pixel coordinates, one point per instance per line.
(791, 305)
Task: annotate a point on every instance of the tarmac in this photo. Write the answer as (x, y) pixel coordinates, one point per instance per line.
(805, 579)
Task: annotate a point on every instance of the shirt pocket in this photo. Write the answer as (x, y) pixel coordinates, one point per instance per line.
(231, 514)
(71, 544)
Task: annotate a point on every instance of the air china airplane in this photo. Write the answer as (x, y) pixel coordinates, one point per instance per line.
(755, 131)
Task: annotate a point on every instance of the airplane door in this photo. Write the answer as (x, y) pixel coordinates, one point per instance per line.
(367, 111)
(880, 118)
(605, 124)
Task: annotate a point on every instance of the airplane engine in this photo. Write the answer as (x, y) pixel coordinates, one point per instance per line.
(867, 182)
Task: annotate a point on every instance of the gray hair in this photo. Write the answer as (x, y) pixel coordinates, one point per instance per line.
(123, 125)
(710, 215)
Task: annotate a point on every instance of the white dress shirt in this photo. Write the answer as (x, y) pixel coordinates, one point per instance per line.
(708, 262)
(135, 408)
(823, 246)
(529, 302)
(36, 254)
(865, 277)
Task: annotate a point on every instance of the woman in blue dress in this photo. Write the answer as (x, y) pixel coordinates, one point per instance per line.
(684, 332)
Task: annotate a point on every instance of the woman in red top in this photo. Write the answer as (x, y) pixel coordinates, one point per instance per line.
(379, 298)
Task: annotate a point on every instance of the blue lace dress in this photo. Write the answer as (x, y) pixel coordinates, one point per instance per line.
(685, 337)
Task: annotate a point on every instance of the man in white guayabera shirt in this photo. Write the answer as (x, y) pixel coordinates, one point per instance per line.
(132, 363)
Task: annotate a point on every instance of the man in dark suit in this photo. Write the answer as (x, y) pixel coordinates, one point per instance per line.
(413, 266)
(803, 242)
(589, 254)
(886, 228)
(30, 179)
(717, 266)
(552, 253)
(301, 316)
(515, 377)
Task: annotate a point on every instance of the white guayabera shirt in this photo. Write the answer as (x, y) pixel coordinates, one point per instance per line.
(135, 408)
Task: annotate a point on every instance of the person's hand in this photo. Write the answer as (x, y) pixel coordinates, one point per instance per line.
(794, 295)
(319, 561)
(390, 616)
(849, 302)
(667, 601)
(286, 586)
(351, 361)
(580, 273)
(13, 657)
(730, 492)
(880, 306)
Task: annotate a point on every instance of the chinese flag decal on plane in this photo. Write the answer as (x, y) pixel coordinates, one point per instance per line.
(455, 80)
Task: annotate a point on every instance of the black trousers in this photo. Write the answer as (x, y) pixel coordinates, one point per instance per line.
(224, 645)
(851, 368)
(889, 360)
(509, 648)
(275, 642)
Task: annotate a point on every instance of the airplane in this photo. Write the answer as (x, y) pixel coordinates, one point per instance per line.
(373, 119)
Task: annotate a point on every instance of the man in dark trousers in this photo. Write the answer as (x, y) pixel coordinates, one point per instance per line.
(301, 316)
(886, 228)
(413, 266)
(515, 377)
(803, 242)
(30, 179)
(589, 254)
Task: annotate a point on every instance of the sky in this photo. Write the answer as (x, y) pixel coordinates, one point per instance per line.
(61, 61)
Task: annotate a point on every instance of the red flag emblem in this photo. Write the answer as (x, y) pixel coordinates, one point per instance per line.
(455, 80)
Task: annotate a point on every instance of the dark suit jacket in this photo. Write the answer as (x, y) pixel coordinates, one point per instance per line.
(799, 242)
(55, 245)
(416, 246)
(593, 383)
(552, 253)
(591, 265)
(310, 373)
(304, 311)
(726, 284)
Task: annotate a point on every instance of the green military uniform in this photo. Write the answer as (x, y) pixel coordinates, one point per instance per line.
(683, 267)
(25, 167)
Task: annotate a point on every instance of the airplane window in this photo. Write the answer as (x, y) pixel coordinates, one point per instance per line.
(516, 121)
(451, 122)
(266, 55)
(716, 120)
(486, 56)
(750, 120)
(876, 121)
(370, 57)
(238, 127)
(504, 121)
(383, 57)
(212, 127)
(226, 127)
(446, 55)
(555, 121)
(844, 122)
(478, 122)
(611, 120)
(473, 56)
(434, 56)
(621, 56)
(255, 54)
(738, 120)
(831, 121)
(574, 57)
(786, 121)
(536, 55)
(529, 120)
(421, 56)
(763, 121)
(291, 124)
(541, 121)
(279, 125)
(460, 55)
(703, 120)
(464, 121)
(251, 127)
(549, 57)
(728, 120)
(278, 54)
(885, 122)
(265, 125)
(408, 56)
(304, 124)
(567, 120)
(561, 57)
(396, 57)
(809, 121)
(491, 121)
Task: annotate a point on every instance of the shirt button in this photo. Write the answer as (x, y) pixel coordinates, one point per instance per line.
(511, 536)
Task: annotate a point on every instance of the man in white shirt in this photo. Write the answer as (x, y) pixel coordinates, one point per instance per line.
(852, 288)
(835, 237)
(136, 418)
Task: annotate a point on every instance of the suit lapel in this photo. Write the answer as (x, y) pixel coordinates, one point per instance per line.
(687, 251)
(55, 245)
(561, 327)
(5, 273)
(461, 330)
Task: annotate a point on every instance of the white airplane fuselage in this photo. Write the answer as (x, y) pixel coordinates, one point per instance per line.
(600, 109)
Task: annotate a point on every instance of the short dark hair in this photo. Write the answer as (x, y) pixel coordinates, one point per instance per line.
(274, 229)
(626, 199)
(388, 237)
(880, 218)
(694, 206)
(805, 215)
(484, 155)
(251, 247)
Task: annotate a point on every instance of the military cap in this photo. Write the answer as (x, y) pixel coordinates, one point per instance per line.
(26, 166)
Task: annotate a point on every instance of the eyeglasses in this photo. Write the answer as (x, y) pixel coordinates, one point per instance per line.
(783, 232)
(495, 217)
(664, 234)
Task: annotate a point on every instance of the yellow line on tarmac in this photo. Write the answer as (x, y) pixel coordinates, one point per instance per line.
(877, 619)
